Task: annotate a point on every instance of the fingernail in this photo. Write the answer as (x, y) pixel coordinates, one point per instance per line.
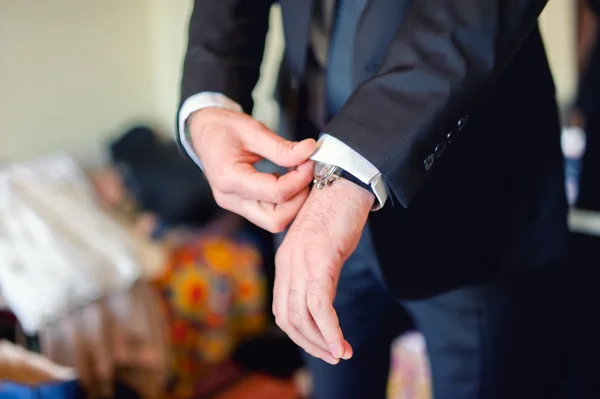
(334, 351)
(296, 144)
(348, 352)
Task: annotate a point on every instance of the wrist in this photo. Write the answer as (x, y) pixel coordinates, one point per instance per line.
(345, 189)
(192, 119)
(326, 174)
(200, 121)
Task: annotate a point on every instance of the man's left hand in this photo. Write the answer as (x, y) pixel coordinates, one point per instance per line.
(308, 265)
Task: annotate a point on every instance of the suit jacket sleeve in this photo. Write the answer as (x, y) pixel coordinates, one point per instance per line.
(443, 59)
(225, 48)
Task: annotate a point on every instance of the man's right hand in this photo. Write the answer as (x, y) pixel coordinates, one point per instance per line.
(229, 144)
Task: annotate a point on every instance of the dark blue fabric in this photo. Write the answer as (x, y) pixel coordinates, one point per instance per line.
(495, 340)
(359, 43)
(340, 76)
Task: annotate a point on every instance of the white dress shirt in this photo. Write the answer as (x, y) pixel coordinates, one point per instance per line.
(330, 150)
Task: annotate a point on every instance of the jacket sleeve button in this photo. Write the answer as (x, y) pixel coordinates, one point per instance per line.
(429, 160)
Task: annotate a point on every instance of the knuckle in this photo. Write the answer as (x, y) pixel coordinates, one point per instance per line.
(327, 267)
(281, 196)
(314, 287)
(256, 125)
(294, 308)
(276, 197)
(316, 304)
(283, 147)
(277, 225)
(295, 320)
(224, 182)
(248, 131)
(282, 323)
(316, 299)
(220, 199)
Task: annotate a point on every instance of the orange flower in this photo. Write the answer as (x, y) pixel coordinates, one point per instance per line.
(218, 254)
(247, 289)
(247, 257)
(217, 348)
(183, 257)
(191, 291)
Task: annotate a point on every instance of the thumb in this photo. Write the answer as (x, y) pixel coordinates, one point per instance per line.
(278, 150)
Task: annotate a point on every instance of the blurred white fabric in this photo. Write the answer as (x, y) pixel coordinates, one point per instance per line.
(573, 141)
(58, 250)
(584, 222)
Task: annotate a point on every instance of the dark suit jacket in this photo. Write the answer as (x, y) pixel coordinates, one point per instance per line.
(460, 119)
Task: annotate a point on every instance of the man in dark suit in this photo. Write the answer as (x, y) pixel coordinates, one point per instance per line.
(439, 125)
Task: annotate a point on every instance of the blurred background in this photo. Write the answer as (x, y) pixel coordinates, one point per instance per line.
(87, 90)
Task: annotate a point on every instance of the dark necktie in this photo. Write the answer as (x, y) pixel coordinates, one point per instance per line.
(340, 79)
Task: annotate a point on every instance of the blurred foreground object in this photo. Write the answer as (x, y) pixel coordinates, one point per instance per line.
(58, 250)
(70, 271)
(118, 338)
(409, 371)
(573, 141)
(20, 366)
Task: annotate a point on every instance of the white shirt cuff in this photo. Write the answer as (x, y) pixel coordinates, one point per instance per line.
(194, 103)
(332, 151)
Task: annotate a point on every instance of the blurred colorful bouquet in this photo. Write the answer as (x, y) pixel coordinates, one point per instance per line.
(213, 294)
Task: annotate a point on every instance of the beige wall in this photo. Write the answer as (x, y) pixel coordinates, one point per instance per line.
(75, 72)
(557, 24)
(72, 72)
(168, 38)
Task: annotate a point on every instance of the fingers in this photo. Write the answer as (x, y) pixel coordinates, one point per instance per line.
(308, 346)
(281, 311)
(271, 217)
(299, 315)
(297, 299)
(320, 304)
(244, 180)
(348, 352)
(229, 144)
(268, 201)
(282, 152)
(255, 137)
